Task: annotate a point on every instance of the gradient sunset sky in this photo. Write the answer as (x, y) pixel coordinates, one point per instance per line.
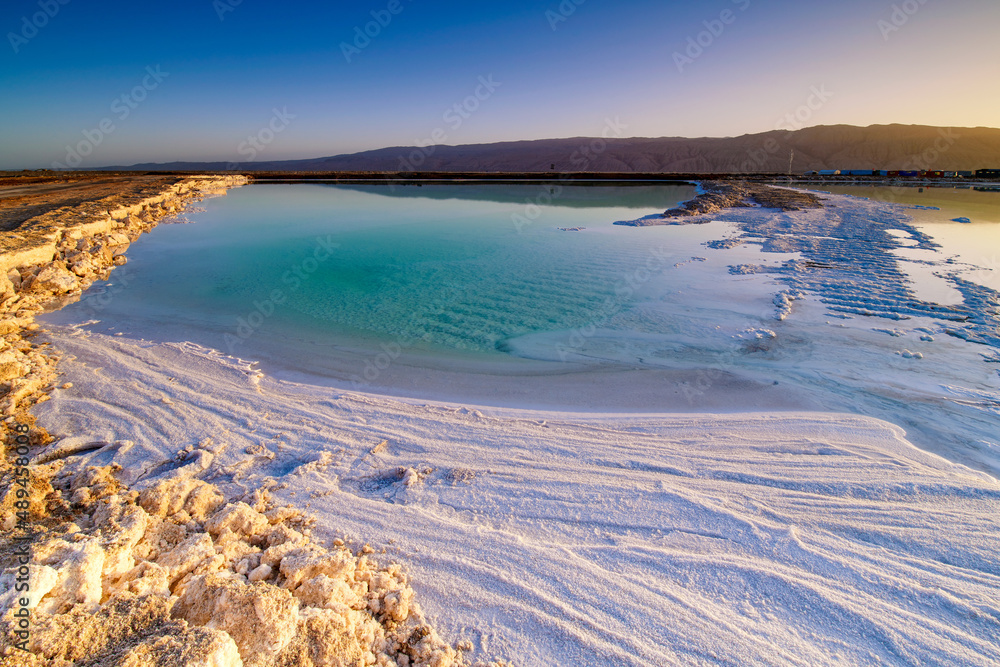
(213, 73)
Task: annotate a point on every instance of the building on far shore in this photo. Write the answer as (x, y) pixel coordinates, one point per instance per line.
(894, 173)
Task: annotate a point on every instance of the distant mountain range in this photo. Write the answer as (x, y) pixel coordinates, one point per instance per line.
(821, 147)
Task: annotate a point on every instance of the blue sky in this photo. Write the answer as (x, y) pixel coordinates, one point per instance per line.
(128, 82)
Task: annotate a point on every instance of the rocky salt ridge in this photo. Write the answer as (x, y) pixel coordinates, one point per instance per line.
(174, 575)
(717, 196)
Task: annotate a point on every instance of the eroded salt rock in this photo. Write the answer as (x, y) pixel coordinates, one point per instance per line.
(7, 290)
(122, 526)
(133, 631)
(233, 549)
(54, 278)
(161, 536)
(325, 592)
(239, 518)
(197, 498)
(261, 619)
(281, 514)
(304, 563)
(78, 566)
(282, 534)
(203, 500)
(274, 555)
(184, 582)
(93, 483)
(325, 638)
(783, 301)
(186, 556)
(146, 578)
(198, 647)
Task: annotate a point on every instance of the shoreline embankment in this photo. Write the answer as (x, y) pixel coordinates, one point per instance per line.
(55, 256)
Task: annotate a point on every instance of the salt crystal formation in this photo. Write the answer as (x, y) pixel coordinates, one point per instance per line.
(175, 575)
(783, 301)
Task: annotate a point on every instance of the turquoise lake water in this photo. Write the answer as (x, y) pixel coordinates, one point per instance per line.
(432, 269)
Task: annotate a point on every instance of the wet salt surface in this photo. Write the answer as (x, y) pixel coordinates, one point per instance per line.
(974, 246)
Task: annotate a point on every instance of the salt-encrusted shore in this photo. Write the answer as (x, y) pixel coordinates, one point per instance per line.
(96, 573)
(559, 538)
(55, 256)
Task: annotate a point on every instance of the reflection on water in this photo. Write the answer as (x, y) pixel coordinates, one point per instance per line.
(539, 194)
